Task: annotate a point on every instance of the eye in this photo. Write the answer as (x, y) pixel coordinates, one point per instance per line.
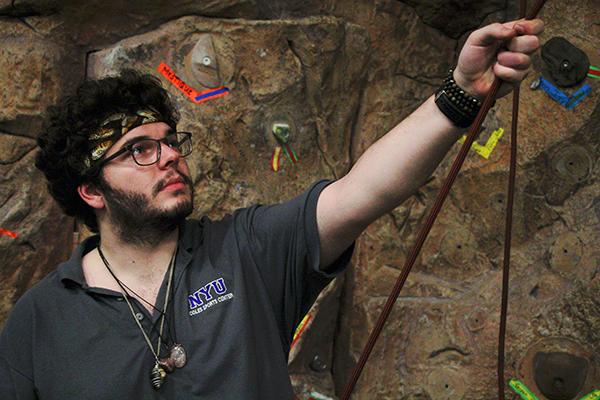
(142, 147)
(172, 142)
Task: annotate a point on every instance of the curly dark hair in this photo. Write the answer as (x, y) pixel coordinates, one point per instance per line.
(63, 142)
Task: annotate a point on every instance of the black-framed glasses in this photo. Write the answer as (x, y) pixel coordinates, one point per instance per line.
(147, 151)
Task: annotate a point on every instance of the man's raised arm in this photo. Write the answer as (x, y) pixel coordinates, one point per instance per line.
(395, 166)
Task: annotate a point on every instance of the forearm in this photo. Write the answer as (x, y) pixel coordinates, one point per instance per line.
(400, 162)
(395, 166)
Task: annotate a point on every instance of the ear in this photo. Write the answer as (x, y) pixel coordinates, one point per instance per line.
(91, 195)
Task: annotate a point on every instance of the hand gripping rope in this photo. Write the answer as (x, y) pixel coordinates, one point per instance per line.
(439, 201)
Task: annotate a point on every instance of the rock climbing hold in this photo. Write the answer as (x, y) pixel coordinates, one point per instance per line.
(559, 375)
(572, 163)
(565, 64)
(202, 62)
(317, 364)
(565, 254)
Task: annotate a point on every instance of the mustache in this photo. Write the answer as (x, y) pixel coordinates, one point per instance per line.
(163, 182)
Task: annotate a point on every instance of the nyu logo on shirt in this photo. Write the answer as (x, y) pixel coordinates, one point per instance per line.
(212, 293)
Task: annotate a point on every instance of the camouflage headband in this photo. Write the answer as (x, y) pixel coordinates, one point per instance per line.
(112, 128)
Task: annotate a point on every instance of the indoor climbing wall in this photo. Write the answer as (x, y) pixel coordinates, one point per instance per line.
(279, 94)
(441, 339)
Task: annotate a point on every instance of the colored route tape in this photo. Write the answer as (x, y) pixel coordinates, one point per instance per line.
(318, 396)
(522, 390)
(526, 394)
(594, 395)
(191, 93)
(275, 159)
(211, 94)
(8, 233)
(594, 72)
(557, 95)
(486, 150)
(291, 154)
(300, 329)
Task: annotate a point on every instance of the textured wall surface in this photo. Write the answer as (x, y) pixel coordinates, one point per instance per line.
(341, 73)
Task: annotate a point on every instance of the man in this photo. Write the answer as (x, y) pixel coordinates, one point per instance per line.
(157, 306)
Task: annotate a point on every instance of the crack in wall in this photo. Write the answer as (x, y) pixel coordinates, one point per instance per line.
(3, 131)
(18, 158)
(22, 11)
(422, 81)
(290, 44)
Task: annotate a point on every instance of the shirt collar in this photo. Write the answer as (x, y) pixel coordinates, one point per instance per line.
(72, 271)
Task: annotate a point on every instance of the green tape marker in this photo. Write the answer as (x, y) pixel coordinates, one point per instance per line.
(522, 390)
(594, 395)
(526, 394)
(594, 72)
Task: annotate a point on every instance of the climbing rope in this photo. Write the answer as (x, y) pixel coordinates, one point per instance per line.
(439, 201)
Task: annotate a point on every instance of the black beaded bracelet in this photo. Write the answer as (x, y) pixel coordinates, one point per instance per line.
(456, 104)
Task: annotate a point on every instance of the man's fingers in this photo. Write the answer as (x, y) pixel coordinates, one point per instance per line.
(508, 74)
(524, 44)
(491, 34)
(494, 33)
(526, 27)
(514, 60)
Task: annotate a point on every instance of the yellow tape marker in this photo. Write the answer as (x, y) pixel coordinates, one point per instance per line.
(486, 150)
(300, 329)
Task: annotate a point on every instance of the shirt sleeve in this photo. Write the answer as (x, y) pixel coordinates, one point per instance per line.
(16, 373)
(284, 245)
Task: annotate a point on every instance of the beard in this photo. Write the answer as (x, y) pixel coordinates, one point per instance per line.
(138, 222)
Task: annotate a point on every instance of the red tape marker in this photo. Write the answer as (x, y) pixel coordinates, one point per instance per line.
(8, 233)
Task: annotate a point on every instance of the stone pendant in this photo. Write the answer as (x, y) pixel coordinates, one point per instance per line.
(157, 376)
(178, 355)
(177, 359)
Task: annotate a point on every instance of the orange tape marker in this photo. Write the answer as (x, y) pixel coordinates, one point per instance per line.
(191, 93)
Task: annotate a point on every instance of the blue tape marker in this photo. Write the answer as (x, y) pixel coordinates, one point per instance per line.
(578, 96)
(207, 95)
(567, 101)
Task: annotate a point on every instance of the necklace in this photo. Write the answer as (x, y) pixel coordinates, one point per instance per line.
(177, 356)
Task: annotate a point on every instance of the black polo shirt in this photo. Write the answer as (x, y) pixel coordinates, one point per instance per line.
(240, 287)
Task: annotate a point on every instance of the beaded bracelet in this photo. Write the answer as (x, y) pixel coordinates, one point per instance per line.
(456, 104)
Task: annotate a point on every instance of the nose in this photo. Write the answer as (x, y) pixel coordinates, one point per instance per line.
(168, 155)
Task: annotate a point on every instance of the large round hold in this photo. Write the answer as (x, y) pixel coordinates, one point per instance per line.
(559, 375)
(566, 65)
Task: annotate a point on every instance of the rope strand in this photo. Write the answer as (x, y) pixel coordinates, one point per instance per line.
(422, 235)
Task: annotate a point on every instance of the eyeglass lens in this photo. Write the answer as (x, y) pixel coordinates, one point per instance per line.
(147, 151)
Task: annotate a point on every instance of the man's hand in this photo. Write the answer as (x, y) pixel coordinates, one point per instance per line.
(501, 50)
